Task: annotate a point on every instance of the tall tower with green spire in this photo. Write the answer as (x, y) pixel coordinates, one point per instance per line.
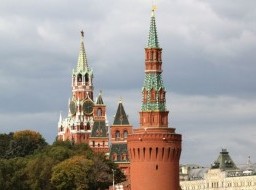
(153, 112)
(82, 76)
(86, 120)
(154, 148)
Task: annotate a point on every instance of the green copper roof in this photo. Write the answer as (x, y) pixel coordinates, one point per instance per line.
(153, 81)
(82, 60)
(120, 117)
(224, 161)
(152, 38)
(82, 65)
(99, 129)
(119, 150)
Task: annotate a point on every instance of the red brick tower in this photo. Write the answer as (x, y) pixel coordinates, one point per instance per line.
(120, 130)
(154, 149)
(98, 140)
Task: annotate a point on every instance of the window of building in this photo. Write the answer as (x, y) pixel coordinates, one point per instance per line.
(117, 134)
(79, 78)
(99, 112)
(125, 134)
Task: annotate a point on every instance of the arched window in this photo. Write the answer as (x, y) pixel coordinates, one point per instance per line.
(153, 95)
(79, 78)
(124, 156)
(81, 126)
(99, 112)
(125, 134)
(88, 126)
(117, 134)
(86, 77)
(114, 157)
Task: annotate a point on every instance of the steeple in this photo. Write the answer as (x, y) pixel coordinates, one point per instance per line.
(99, 99)
(121, 117)
(82, 65)
(152, 37)
(82, 77)
(153, 89)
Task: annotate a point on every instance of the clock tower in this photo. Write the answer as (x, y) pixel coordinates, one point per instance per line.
(80, 122)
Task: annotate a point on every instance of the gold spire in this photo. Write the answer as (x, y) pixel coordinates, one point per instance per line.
(154, 8)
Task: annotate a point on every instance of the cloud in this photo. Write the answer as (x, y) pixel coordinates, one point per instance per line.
(208, 61)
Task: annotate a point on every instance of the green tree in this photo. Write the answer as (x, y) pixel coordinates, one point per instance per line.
(72, 173)
(39, 172)
(25, 143)
(4, 143)
(101, 174)
(12, 174)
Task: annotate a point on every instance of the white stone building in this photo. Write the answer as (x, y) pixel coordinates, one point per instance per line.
(222, 175)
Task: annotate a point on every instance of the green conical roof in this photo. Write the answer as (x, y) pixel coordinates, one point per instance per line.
(100, 100)
(224, 161)
(82, 65)
(120, 117)
(152, 37)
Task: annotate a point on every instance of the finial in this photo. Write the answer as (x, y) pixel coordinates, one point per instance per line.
(249, 160)
(154, 7)
(120, 100)
(82, 33)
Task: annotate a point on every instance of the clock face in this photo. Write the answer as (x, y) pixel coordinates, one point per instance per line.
(72, 107)
(88, 107)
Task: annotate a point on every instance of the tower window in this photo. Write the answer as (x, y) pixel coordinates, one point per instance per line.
(114, 157)
(86, 78)
(157, 167)
(117, 134)
(79, 78)
(99, 112)
(88, 126)
(125, 134)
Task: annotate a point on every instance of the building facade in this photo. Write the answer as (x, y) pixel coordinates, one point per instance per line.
(222, 175)
(154, 148)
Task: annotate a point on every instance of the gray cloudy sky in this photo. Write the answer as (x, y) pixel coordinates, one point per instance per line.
(209, 66)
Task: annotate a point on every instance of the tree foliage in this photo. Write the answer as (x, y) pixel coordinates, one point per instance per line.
(27, 162)
(72, 173)
(24, 143)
